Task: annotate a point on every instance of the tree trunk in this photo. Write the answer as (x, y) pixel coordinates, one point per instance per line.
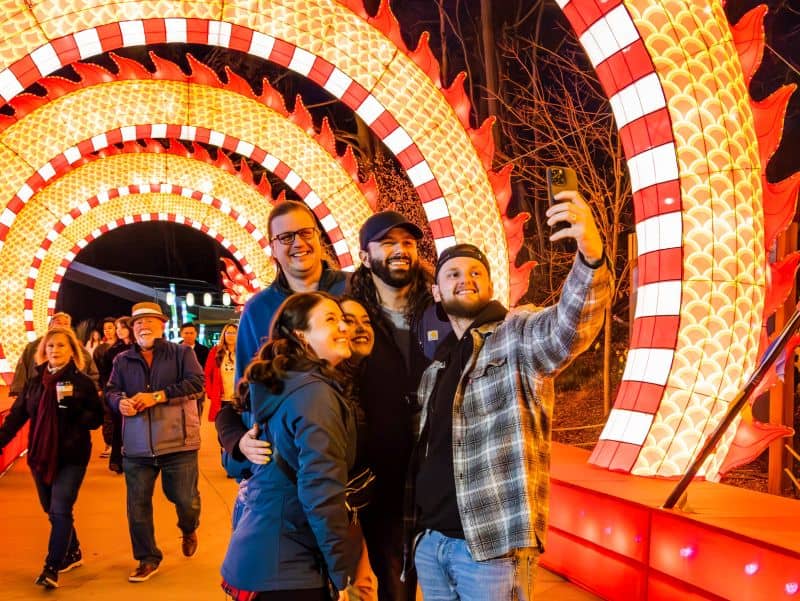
(490, 66)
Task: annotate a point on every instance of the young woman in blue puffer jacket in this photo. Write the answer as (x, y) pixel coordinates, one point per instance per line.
(294, 539)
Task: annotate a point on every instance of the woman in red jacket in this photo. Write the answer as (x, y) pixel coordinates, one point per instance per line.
(62, 405)
(220, 381)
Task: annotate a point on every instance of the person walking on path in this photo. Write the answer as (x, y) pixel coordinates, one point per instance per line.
(63, 405)
(155, 387)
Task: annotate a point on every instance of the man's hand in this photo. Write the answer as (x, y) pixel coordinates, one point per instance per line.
(573, 210)
(145, 400)
(256, 451)
(126, 407)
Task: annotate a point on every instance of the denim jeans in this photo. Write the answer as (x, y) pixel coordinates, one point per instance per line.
(57, 500)
(179, 482)
(447, 572)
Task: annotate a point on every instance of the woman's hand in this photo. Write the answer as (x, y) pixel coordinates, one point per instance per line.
(255, 451)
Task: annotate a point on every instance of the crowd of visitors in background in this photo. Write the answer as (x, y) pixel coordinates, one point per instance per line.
(384, 426)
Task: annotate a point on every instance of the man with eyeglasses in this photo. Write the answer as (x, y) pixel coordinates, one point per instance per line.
(297, 250)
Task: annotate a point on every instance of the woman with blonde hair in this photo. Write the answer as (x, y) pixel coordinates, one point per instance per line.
(219, 370)
(62, 405)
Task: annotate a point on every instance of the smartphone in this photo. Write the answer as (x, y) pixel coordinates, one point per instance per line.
(560, 179)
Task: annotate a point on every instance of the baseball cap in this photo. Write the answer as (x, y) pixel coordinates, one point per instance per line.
(379, 224)
(461, 250)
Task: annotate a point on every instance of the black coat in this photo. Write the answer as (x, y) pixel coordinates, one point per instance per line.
(387, 393)
(83, 412)
(201, 352)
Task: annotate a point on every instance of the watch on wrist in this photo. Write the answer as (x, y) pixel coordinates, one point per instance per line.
(159, 397)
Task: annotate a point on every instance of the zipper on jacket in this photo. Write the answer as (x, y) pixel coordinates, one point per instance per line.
(149, 420)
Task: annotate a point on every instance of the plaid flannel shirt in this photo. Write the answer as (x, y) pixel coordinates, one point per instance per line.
(503, 409)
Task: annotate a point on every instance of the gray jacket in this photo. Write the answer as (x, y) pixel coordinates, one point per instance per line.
(168, 427)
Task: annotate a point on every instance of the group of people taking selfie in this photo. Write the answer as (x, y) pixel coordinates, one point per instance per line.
(389, 429)
(415, 374)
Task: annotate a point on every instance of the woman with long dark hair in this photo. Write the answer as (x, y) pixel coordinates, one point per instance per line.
(62, 405)
(219, 370)
(294, 538)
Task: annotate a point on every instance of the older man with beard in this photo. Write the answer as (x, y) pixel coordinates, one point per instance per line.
(478, 494)
(394, 286)
(155, 387)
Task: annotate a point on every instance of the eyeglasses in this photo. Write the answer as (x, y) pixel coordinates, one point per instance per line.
(287, 238)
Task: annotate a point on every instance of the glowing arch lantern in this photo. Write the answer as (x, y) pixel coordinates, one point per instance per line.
(680, 100)
(392, 89)
(167, 204)
(695, 159)
(280, 141)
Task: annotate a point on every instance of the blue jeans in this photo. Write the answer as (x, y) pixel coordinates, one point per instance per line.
(57, 500)
(179, 482)
(446, 571)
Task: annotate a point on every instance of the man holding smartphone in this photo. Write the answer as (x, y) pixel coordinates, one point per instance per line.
(477, 495)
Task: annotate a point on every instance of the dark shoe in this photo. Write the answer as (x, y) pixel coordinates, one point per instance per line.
(71, 561)
(189, 544)
(48, 578)
(144, 572)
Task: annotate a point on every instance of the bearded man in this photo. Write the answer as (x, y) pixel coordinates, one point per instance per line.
(479, 481)
(394, 285)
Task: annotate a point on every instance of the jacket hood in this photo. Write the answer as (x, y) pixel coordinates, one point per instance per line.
(268, 402)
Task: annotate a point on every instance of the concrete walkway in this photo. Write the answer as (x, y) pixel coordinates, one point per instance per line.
(103, 532)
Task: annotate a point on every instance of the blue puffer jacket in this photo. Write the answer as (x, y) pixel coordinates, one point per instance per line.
(168, 427)
(285, 527)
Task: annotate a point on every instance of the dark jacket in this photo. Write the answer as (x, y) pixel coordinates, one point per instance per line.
(388, 396)
(168, 427)
(83, 412)
(285, 527)
(201, 352)
(104, 356)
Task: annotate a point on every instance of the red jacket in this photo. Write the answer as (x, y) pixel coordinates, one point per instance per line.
(213, 383)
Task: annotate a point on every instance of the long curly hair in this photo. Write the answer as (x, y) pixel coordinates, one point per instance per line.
(284, 351)
(363, 289)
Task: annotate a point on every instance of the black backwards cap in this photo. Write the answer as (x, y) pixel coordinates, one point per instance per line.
(461, 250)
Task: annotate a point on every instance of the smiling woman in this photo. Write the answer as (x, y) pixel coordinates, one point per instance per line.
(296, 397)
(62, 404)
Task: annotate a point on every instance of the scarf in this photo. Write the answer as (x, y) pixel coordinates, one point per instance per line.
(43, 452)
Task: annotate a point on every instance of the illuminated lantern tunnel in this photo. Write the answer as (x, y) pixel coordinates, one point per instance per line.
(696, 147)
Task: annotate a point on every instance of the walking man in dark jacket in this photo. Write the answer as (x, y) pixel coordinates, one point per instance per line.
(155, 387)
(395, 287)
